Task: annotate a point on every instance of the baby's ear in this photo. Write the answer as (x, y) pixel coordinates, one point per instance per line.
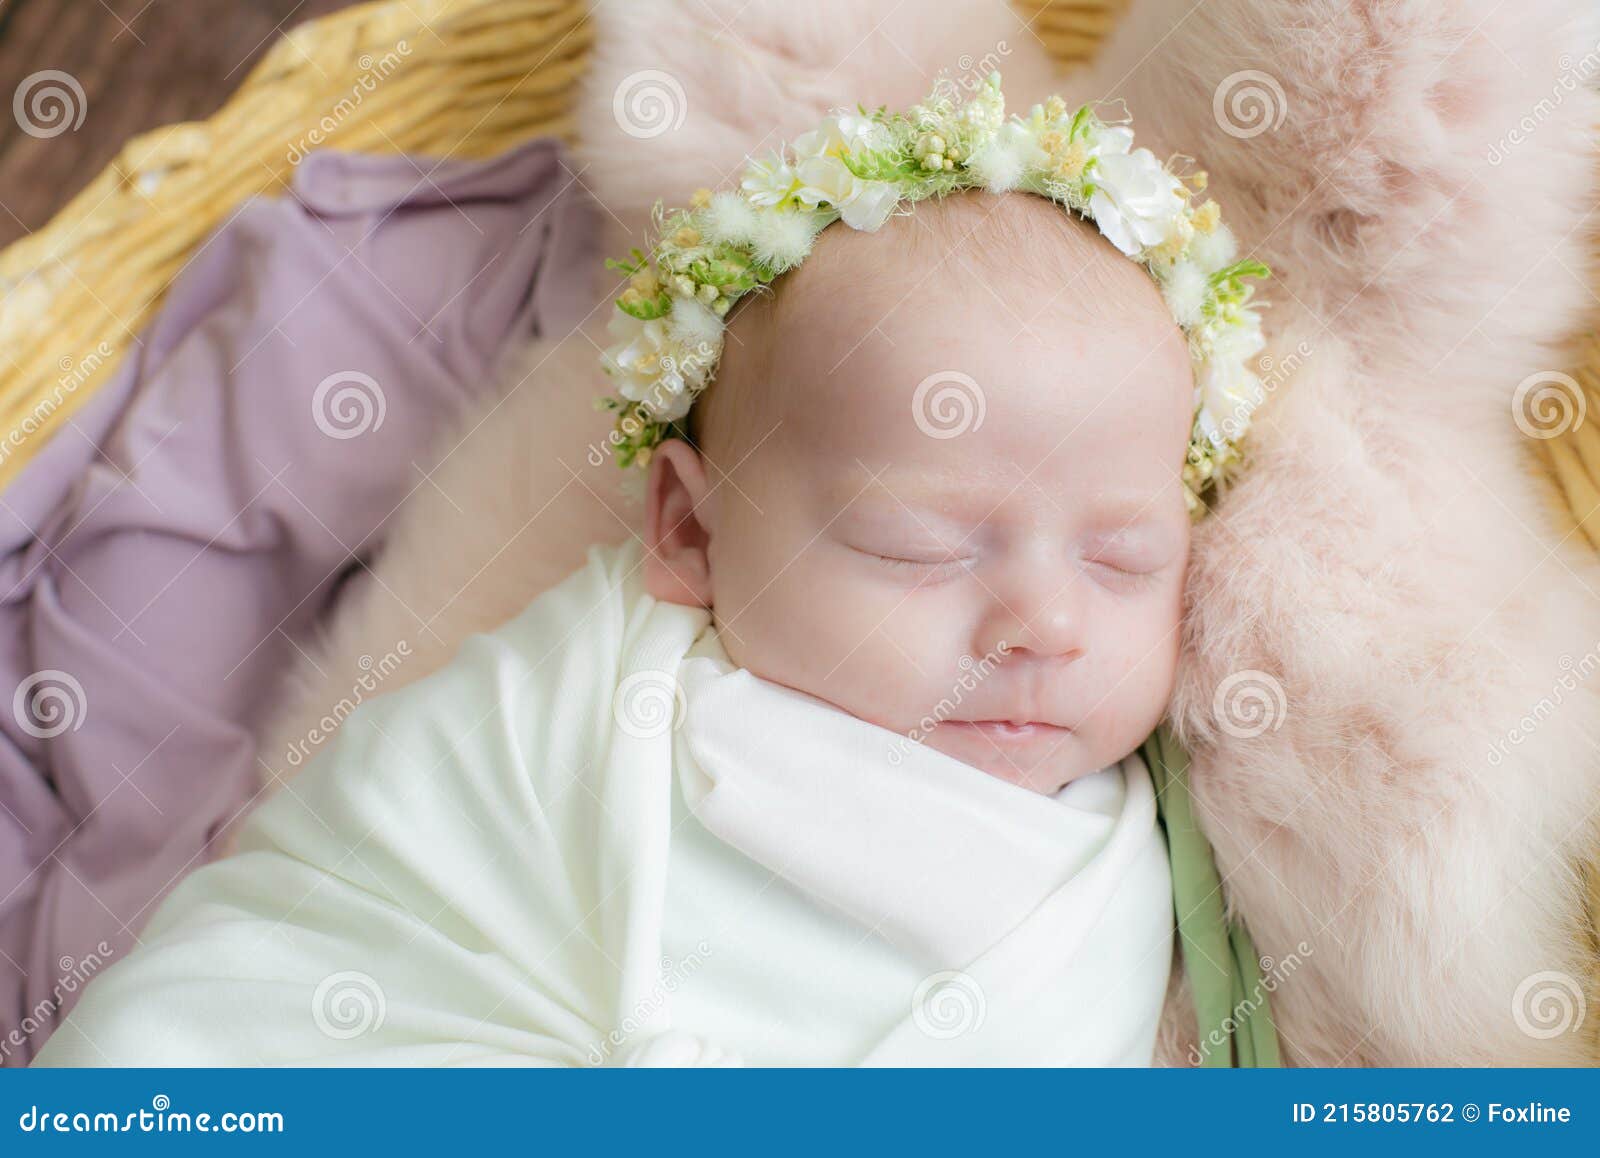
(676, 538)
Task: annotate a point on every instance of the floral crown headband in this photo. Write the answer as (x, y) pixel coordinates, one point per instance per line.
(858, 167)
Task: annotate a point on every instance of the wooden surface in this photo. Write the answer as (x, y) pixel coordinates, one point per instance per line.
(141, 64)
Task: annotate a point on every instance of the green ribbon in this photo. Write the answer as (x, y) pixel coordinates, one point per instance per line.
(1232, 1011)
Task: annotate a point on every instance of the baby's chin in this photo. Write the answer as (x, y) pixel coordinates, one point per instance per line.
(1037, 757)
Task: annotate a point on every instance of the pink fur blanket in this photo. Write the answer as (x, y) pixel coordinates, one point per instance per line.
(1384, 684)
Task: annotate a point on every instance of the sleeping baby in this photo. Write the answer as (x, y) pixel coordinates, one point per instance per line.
(837, 761)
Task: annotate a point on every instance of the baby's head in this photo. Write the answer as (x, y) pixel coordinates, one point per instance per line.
(936, 483)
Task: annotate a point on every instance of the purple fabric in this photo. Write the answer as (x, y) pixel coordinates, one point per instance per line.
(161, 554)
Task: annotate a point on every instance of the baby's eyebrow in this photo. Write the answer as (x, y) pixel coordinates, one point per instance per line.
(1126, 508)
(914, 501)
(929, 487)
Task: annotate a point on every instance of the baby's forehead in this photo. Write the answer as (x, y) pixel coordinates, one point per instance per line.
(1005, 307)
(1021, 248)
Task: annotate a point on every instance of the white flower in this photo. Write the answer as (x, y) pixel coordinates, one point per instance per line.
(1228, 393)
(1109, 140)
(650, 367)
(1136, 202)
(1227, 390)
(1242, 340)
(863, 204)
(842, 133)
(985, 111)
(768, 182)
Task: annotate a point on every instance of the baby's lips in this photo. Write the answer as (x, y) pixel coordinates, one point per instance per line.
(1019, 721)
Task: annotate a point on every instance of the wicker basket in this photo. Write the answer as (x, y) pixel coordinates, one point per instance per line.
(450, 78)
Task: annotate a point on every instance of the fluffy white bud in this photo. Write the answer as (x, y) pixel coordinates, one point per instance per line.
(783, 237)
(1211, 251)
(730, 218)
(1186, 288)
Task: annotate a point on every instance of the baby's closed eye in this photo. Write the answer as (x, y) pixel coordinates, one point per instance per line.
(926, 561)
(1135, 558)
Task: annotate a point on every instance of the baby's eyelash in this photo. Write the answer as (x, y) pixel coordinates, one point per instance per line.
(897, 561)
(925, 567)
(1129, 574)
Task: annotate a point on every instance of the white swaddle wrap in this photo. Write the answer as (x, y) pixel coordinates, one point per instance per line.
(592, 840)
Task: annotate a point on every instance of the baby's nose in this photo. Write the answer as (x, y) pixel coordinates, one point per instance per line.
(1039, 618)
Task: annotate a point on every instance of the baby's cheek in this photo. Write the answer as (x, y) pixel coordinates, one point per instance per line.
(1137, 673)
(864, 646)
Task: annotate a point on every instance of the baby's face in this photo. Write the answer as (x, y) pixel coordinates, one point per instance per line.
(991, 563)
